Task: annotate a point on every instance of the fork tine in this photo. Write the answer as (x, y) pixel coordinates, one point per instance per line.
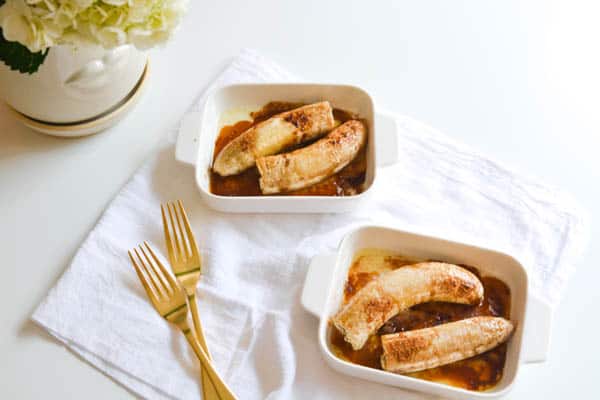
(170, 247)
(182, 235)
(150, 278)
(165, 273)
(178, 247)
(188, 229)
(148, 286)
(157, 276)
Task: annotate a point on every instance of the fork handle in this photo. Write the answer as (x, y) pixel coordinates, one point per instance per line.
(221, 387)
(197, 326)
(209, 392)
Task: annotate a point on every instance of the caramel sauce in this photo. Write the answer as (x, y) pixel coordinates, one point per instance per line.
(348, 181)
(476, 373)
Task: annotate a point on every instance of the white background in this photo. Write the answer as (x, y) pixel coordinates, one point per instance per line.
(519, 81)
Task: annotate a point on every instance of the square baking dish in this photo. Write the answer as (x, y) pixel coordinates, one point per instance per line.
(199, 131)
(324, 286)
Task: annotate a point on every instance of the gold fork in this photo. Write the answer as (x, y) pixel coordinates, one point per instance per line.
(170, 302)
(184, 258)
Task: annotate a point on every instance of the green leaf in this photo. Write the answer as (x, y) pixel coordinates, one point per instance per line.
(18, 57)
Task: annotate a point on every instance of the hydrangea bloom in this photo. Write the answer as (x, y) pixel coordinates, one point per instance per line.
(39, 24)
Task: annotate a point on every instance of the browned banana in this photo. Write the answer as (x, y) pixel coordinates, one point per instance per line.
(426, 348)
(274, 135)
(397, 290)
(305, 167)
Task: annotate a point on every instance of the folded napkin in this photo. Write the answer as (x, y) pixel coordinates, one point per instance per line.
(263, 343)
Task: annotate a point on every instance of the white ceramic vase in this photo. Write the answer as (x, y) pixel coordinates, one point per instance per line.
(74, 84)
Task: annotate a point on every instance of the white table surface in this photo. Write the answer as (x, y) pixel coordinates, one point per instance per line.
(519, 82)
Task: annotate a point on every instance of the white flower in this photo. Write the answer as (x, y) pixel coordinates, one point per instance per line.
(25, 24)
(39, 24)
(150, 29)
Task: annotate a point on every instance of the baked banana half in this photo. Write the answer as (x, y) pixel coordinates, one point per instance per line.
(427, 348)
(306, 166)
(397, 290)
(274, 135)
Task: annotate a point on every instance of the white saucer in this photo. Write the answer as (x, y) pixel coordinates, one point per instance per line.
(88, 126)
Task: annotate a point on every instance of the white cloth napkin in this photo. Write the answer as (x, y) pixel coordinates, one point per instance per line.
(263, 342)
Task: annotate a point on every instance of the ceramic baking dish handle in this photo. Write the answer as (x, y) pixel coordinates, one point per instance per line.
(536, 333)
(186, 148)
(317, 281)
(386, 146)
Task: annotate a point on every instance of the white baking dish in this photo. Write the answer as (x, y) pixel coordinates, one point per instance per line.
(324, 286)
(199, 130)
